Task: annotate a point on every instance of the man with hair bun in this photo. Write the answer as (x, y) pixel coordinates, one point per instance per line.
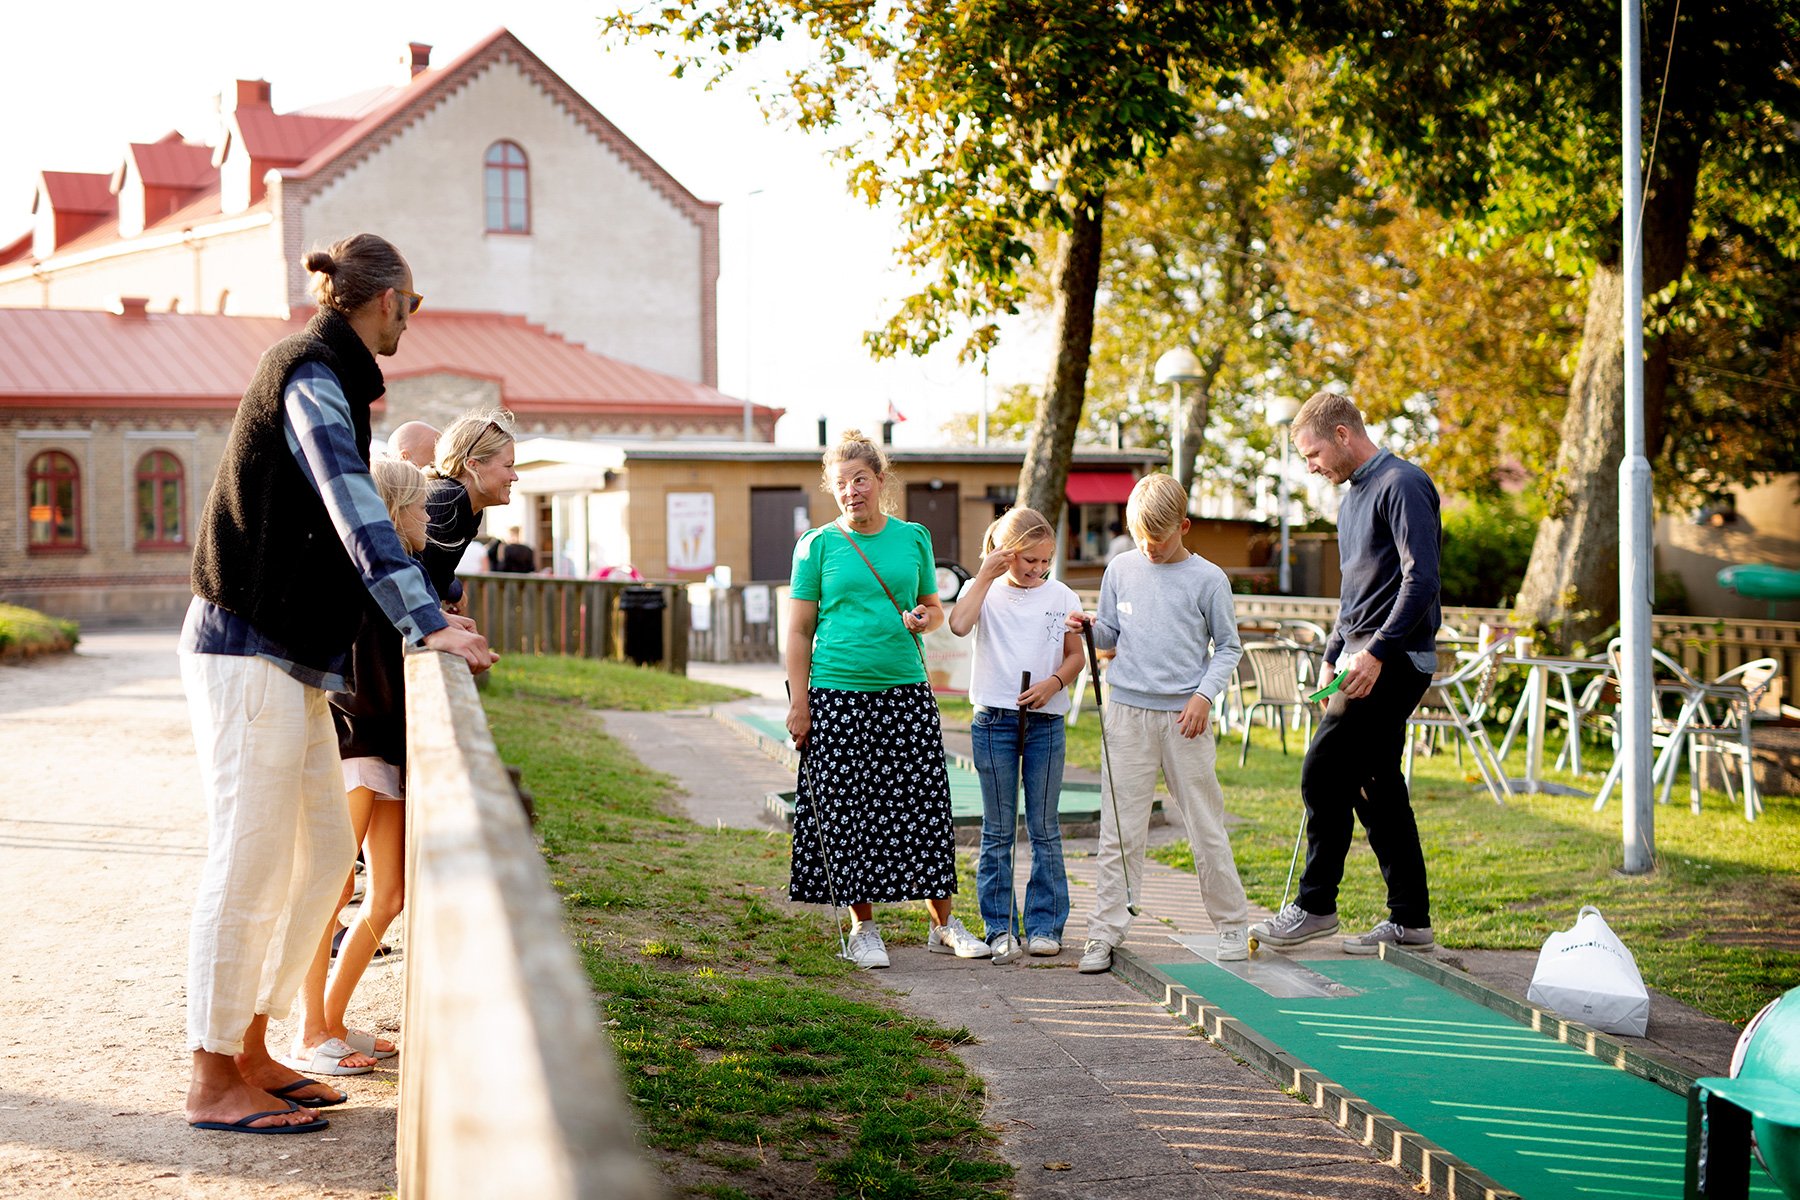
(1385, 643)
(293, 541)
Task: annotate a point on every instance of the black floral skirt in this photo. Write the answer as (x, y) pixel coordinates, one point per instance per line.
(872, 801)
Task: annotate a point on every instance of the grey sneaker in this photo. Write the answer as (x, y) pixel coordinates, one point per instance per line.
(952, 938)
(1394, 935)
(1293, 926)
(1233, 945)
(1006, 948)
(1044, 946)
(867, 950)
(1096, 956)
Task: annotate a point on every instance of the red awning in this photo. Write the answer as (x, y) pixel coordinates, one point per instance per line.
(1100, 487)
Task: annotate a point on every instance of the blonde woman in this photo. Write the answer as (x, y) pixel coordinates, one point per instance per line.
(872, 805)
(1025, 660)
(473, 471)
(371, 729)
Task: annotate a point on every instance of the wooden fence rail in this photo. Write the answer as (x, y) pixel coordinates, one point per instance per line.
(545, 614)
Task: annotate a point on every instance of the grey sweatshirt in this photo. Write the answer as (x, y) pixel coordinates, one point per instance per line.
(1174, 627)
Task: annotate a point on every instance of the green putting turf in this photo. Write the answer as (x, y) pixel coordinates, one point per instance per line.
(1539, 1117)
(1078, 801)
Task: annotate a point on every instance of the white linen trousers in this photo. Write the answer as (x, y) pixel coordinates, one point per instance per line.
(279, 842)
(1138, 741)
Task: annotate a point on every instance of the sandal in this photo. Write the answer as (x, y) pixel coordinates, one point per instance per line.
(325, 1059)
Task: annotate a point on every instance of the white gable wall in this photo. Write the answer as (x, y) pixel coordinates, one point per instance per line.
(609, 262)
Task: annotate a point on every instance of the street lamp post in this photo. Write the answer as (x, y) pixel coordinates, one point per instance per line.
(1176, 367)
(1281, 411)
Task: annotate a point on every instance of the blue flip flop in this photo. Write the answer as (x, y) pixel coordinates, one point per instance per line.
(302, 1101)
(242, 1124)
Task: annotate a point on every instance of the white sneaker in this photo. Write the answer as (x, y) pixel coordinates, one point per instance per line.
(1096, 956)
(952, 938)
(1006, 948)
(1044, 946)
(1234, 946)
(867, 949)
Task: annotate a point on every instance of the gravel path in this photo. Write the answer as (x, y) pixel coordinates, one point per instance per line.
(102, 837)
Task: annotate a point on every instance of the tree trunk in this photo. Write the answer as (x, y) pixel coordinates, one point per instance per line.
(1044, 479)
(1571, 586)
(1196, 405)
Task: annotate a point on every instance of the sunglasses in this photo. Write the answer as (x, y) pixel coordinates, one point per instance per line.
(414, 298)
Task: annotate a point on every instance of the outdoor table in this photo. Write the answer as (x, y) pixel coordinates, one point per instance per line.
(1537, 689)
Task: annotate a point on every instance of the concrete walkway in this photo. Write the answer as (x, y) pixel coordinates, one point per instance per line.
(102, 835)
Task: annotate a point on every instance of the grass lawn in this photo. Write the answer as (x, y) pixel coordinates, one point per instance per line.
(760, 1065)
(1712, 926)
(24, 632)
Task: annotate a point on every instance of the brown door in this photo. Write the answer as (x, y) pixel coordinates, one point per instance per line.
(778, 516)
(935, 507)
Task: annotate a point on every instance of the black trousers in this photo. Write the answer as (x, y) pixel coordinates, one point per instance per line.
(1353, 770)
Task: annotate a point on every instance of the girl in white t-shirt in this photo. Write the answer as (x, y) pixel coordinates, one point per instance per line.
(1025, 661)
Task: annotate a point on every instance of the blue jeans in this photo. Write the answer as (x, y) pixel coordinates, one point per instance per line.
(1009, 743)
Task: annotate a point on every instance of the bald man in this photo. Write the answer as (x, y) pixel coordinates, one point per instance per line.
(416, 442)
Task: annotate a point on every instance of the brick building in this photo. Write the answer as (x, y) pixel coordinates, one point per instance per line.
(568, 277)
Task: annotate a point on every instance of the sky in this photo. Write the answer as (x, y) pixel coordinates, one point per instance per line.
(805, 269)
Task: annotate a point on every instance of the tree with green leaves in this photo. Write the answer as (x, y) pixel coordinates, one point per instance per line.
(983, 122)
(1503, 115)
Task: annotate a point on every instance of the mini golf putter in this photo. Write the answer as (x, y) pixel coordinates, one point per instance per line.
(1329, 690)
(1087, 633)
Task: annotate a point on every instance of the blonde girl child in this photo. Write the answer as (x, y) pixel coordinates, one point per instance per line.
(371, 726)
(1019, 617)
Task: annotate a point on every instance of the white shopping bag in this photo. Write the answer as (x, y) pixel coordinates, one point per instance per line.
(1586, 974)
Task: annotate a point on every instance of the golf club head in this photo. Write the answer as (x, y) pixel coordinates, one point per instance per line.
(1134, 910)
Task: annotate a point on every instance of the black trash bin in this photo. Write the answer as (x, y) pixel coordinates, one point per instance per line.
(641, 613)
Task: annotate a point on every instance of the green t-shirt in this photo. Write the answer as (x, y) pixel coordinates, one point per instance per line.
(860, 644)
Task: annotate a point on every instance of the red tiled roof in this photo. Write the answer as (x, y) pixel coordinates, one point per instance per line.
(203, 207)
(17, 250)
(285, 139)
(79, 192)
(173, 163)
(187, 360)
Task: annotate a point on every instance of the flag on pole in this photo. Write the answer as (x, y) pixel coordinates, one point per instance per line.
(894, 414)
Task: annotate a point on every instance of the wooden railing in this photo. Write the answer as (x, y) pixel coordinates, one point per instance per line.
(497, 1003)
(1704, 646)
(730, 634)
(545, 614)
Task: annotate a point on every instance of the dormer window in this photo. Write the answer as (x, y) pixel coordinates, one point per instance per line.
(507, 180)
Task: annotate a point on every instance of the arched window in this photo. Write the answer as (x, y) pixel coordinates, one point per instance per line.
(53, 502)
(159, 502)
(508, 189)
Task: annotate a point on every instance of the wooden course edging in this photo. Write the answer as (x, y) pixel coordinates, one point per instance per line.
(1439, 1171)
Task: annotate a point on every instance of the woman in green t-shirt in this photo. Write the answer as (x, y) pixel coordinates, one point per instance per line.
(872, 805)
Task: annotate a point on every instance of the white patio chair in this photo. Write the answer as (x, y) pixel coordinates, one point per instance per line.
(1458, 700)
(1722, 727)
(1275, 668)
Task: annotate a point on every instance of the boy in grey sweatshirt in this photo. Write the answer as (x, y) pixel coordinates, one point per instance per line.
(1168, 613)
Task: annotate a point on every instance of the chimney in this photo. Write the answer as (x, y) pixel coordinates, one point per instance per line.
(416, 60)
(134, 308)
(823, 442)
(247, 93)
(887, 433)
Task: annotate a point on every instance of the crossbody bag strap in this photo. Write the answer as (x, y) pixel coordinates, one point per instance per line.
(918, 643)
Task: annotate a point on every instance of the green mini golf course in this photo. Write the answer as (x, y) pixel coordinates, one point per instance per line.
(1539, 1117)
(1079, 802)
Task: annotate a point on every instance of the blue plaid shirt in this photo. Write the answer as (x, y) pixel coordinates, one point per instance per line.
(322, 440)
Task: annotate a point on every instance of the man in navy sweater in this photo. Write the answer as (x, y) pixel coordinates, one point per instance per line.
(1385, 643)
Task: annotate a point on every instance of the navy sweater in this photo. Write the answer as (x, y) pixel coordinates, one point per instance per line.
(1388, 537)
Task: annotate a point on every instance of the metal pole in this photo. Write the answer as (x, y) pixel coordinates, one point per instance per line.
(1287, 570)
(1176, 432)
(1635, 683)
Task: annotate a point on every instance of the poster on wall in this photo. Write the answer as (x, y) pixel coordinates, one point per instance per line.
(690, 516)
